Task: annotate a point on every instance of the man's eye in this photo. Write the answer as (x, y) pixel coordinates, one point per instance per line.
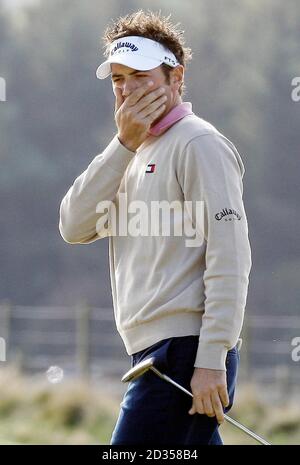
(137, 75)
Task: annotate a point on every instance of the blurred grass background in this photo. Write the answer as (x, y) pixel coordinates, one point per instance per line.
(33, 411)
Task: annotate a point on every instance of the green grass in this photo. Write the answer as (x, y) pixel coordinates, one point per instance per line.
(278, 424)
(33, 411)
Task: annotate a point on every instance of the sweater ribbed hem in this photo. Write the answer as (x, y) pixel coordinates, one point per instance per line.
(172, 325)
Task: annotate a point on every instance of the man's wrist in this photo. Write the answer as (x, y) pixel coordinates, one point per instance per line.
(209, 369)
(127, 146)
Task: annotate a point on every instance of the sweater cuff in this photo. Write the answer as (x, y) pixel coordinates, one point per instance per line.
(211, 356)
(117, 155)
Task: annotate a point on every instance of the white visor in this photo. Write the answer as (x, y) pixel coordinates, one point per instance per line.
(138, 53)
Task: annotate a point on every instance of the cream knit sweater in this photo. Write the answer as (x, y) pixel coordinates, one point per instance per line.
(161, 286)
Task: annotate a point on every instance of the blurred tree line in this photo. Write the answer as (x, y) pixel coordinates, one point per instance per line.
(58, 116)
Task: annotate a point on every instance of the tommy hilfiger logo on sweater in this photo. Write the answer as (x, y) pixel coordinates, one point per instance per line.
(227, 211)
(150, 168)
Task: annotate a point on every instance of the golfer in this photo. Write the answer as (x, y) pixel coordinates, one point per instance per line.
(177, 297)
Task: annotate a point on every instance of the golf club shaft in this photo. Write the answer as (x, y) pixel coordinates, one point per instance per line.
(229, 419)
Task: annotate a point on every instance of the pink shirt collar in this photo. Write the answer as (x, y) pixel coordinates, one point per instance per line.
(177, 113)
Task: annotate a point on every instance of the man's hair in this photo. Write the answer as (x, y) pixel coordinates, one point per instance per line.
(152, 26)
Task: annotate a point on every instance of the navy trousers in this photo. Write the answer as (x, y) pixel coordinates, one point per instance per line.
(155, 412)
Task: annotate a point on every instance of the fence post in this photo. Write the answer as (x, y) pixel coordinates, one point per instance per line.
(5, 319)
(83, 355)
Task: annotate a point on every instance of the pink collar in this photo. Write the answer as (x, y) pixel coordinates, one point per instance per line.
(177, 113)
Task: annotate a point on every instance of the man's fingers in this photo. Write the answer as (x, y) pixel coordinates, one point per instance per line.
(208, 408)
(155, 114)
(153, 106)
(148, 99)
(208, 405)
(224, 396)
(137, 94)
(119, 98)
(197, 406)
(192, 410)
(217, 406)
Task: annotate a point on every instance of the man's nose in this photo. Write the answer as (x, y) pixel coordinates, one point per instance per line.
(128, 88)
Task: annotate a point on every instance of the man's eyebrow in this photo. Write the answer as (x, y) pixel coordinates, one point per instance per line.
(133, 72)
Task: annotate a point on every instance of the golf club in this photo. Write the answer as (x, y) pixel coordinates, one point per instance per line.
(140, 368)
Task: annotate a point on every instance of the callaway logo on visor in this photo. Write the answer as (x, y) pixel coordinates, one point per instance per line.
(138, 53)
(123, 44)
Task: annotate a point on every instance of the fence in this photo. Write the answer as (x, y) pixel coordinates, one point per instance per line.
(83, 341)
